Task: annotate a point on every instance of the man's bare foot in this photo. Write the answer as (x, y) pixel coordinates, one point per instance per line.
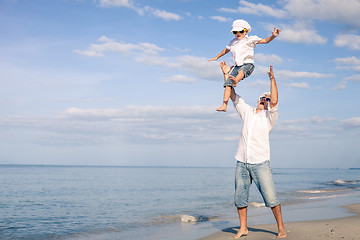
(240, 233)
(223, 108)
(281, 234)
(224, 67)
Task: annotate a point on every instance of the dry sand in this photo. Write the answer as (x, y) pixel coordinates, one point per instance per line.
(347, 228)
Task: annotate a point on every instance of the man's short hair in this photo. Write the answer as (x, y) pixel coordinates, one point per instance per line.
(264, 95)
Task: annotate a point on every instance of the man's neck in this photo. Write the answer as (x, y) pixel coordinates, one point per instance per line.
(259, 110)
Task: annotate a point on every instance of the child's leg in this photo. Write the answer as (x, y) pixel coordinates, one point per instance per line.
(238, 78)
(227, 91)
(247, 68)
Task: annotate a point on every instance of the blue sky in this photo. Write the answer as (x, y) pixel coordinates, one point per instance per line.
(122, 82)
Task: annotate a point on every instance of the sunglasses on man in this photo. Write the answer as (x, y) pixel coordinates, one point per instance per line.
(241, 32)
(265, 98)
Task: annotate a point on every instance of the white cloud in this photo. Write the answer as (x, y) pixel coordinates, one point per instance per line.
(94, 114)
(268, 59)
(260, 83)
(117, 3)
(165, 124)
(257, 9)
(192, 64)
(342, 12)
(128, 124)
(150, 48)
(301, 32)
(351, 123)
(308, 128)
(353, 78)
(221, 19)
(350, 41)
(89, 53)
(163, 14)
(348, 63)
(157, 61)
(298, 85)
(290, 74)
(200, 67)
(148, 53)
(349, 60)
(141, 10)
(352, 63)
(344, 82)
(111, 45)
(314, 119)
(141, 113)
(320, 120)
(179, 79)
(121, 3)
(341, 85)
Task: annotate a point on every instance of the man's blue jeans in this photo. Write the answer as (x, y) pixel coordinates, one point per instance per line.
(261, 174)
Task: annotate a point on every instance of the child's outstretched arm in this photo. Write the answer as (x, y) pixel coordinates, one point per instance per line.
(275, 33)
(222, 53)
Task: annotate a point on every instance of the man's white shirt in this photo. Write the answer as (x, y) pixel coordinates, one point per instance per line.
(254, 145)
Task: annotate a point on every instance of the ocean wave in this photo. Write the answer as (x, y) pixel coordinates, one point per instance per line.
(332, 189)
(327, 196)
(185, 218)
(342, 182)
(339, 181)
(317, 191)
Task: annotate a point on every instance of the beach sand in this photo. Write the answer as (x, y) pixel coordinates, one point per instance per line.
(347, 228)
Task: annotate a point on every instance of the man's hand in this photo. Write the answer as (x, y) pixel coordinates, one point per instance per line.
(271, 73)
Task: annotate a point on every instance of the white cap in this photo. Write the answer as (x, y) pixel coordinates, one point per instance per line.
(239, 25)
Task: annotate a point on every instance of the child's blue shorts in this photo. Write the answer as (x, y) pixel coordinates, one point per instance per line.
(247, 68)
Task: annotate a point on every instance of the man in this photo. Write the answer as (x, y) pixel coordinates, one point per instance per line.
(253, 153)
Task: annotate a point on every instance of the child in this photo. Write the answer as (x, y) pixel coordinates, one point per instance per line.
(242, 50)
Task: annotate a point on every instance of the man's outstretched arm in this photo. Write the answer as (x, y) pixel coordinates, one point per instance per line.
(273, 88)
(233, 94)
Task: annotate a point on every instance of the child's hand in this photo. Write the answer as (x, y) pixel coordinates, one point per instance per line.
(276, 32)
(212, 59)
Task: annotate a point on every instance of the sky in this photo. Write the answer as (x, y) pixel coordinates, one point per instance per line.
(127, 82)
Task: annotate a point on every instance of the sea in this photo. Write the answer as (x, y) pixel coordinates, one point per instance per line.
(104, 202)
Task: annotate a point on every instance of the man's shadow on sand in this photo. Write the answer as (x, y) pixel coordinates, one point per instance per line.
(234, 230)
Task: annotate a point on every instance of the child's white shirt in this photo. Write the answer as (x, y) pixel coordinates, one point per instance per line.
(243, 50)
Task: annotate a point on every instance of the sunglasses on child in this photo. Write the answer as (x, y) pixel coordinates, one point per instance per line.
(265, 98)
(241, 32)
